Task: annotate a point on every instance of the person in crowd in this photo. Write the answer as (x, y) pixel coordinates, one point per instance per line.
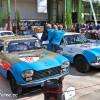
(55, 27)
(94, 26)
(57, 37)
(86, 27)
(50, 36)
(98, 27)
(77, 28)
(90, 26)
(44, 36)
(64, 27)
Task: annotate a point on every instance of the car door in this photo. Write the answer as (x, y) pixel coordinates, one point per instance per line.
(69, 49)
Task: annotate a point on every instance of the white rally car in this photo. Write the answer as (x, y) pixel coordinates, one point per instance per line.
(6, 33)
(80, 51)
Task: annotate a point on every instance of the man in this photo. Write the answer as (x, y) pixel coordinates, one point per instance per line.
(50, 35)
(57, 37)
(45, 34)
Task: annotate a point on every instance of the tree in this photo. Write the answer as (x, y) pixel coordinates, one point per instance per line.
(68, 19)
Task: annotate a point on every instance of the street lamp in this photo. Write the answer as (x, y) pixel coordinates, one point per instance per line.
(97, 9)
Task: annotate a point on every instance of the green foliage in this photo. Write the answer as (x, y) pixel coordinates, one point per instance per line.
(0, 19)
(68, 19)
(17, 17)
(90, 14)
(4, 19)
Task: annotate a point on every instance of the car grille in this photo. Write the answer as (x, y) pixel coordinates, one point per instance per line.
(46, 73)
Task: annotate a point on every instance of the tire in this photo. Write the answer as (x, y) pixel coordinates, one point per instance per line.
(82, 64)
(61, 79)
(15, 88)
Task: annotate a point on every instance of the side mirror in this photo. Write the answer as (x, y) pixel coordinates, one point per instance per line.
(1, 47)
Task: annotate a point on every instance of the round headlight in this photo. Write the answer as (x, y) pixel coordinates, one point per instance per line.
(65, 64)
(98, 58)
(27, 73)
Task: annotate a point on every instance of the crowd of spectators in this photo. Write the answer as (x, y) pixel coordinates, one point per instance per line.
(87, 26)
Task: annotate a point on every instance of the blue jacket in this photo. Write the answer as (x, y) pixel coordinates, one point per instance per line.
(57, 37)
(50, 34)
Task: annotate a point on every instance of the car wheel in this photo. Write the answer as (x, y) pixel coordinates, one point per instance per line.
(82, 64)
(15, 88)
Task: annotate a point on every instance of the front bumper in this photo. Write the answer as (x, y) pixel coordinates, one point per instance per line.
(41, 81)
(97, 65)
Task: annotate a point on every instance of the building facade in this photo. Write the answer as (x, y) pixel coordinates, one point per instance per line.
(62, 11)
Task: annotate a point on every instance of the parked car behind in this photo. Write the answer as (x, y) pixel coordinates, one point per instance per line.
(6, 33)
(27, 33)
(25, 64)
(80, 52)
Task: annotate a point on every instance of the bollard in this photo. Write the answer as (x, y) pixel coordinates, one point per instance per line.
(52, 90)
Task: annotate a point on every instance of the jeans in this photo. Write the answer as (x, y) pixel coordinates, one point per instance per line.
(54, 47)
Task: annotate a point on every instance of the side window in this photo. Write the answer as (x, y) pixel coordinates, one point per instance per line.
(94, 36)
(88, 35)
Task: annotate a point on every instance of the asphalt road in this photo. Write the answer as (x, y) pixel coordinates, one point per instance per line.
(87, 87)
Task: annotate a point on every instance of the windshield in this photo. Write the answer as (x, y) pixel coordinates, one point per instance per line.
(6, 33)
(22, 45)
(75, 39)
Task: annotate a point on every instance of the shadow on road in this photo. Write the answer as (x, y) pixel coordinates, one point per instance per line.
(30, 92)
(91, 72)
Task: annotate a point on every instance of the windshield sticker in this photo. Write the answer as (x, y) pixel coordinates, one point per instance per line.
(44, 54)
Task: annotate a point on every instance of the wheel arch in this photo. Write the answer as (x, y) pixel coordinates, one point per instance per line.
(8, 74)
(78, 55)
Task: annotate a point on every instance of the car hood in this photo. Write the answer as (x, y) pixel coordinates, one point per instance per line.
(36, 60)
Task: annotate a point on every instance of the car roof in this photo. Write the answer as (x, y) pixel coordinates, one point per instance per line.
(70, 33)
(16, 38)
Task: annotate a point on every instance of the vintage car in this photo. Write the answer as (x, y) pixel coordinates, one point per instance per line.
(27, 33)
(80, 51)
(93, 35)
(25, 64)
(6, 33)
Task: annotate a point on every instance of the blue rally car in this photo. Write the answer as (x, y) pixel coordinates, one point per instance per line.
(80, 51)
(25, 64)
